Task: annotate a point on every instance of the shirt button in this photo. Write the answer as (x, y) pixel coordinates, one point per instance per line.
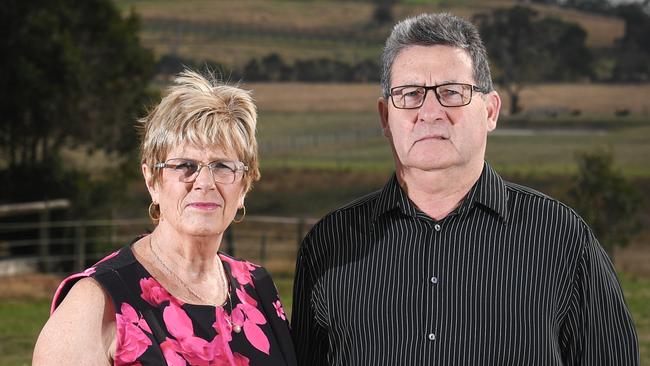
(437, 227)
(434, 280)
(432, 337)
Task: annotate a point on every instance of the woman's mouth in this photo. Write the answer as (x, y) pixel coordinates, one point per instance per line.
(207, 206)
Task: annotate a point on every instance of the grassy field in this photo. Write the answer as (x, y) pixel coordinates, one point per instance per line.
(592, 101)
(234, 32)
(22, 319)
(321, 144)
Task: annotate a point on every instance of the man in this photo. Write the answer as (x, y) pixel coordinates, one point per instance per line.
(448, 264)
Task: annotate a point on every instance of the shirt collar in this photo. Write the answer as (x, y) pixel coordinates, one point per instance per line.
(489, 191)
(391, 197)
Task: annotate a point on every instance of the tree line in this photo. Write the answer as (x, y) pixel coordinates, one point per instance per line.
(274, 68)
(524, 48)
(75, 75)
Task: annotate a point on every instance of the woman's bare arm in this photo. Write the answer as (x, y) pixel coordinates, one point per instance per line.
(81, 331)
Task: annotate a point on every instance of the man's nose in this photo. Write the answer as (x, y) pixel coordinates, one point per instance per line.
(431, 108)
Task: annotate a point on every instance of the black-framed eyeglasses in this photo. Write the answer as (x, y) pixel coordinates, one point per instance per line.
(449, 95)
(223, 171)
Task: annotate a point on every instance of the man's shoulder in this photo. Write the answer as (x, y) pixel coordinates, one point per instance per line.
(523, 198)
(351, 214)
(363, 203)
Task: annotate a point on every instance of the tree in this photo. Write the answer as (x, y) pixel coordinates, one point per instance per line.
(275, 68)
(606, 200)
(253, 71)
(526, 50)
(383, 12)
(72, 73)
(633, 49)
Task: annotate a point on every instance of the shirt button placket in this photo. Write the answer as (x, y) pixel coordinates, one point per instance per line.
(434, 282)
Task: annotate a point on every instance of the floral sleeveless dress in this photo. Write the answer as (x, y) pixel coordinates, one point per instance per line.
(155, 328)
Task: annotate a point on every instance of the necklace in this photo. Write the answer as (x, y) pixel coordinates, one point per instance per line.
(236, 328)
(185, 285)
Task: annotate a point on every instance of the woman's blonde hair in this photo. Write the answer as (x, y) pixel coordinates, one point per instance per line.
(204, 112)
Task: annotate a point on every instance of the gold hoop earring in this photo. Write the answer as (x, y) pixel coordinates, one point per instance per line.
(241, 218)
(154, 211)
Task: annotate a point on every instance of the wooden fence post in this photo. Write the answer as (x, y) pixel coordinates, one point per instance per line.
(263, 249)
(300, 227)
(44, 240)
(80, 247)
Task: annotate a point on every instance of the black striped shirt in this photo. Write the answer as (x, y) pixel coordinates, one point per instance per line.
(511, 277)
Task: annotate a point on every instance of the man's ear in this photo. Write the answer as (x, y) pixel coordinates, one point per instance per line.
(147, 173)
(493, 106)
(382, 108)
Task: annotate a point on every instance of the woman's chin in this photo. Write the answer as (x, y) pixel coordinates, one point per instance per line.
(203, 228)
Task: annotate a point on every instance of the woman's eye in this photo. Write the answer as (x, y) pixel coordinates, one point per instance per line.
(186, 166)
(221, 166)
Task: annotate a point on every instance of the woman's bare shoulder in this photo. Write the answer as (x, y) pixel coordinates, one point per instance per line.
(81, 330)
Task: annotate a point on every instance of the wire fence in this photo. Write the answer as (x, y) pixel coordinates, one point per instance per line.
(63, 247)
(279, 144)
(208, 30)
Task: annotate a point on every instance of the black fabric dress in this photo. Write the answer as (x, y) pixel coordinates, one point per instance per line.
(155, 328)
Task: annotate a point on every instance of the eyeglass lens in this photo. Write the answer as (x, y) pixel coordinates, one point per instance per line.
(449, 95)
(188, 170)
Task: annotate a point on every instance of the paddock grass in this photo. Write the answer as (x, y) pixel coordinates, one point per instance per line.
(255, 28)
(22, 318)
(20, 322)
(353, 141)
(568, 101)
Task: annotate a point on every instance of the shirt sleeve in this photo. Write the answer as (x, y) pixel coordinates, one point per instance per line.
(598, 328)
(309, 337)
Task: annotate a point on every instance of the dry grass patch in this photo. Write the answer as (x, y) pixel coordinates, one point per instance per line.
(33, 286)
(590, 99)
(263, 18)
(304, 97)
(290, 14)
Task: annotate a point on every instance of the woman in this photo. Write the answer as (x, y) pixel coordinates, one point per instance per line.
(170, 297)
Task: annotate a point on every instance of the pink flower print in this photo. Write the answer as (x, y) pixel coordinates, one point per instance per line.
(129, 314)
(249, 318)
(241, 270)
(195, 350)
(223, 325)
(245, 297)
(177, 321)
(131, 340)
(222, 353)
(153, 292)
(169, 347)
(279, 310)
(241, 360)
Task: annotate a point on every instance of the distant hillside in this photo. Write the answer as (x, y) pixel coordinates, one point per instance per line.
(234, 32)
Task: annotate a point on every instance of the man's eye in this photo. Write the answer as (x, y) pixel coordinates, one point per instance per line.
(412, 93)
(449, 92)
